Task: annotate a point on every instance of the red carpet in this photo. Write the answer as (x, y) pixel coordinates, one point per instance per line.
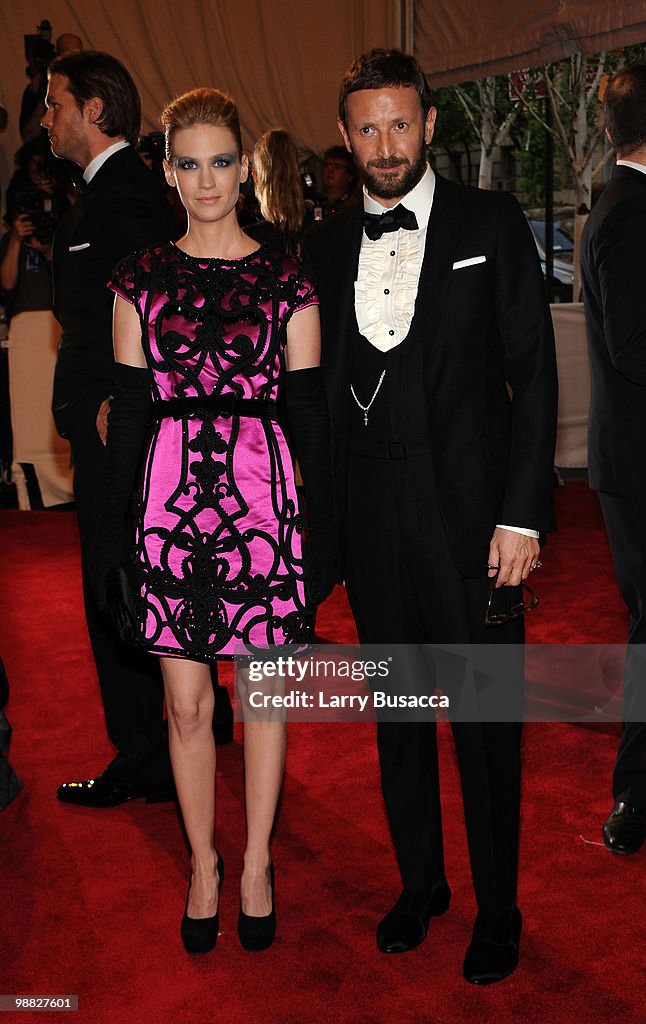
(91, 900)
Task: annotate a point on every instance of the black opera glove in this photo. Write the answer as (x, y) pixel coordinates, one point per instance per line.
(128, 422)
(309, 427)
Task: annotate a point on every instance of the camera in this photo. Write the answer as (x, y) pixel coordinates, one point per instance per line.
(39, 50)
(40, 210)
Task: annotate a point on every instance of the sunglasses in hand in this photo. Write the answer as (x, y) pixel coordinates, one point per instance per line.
(496, 614)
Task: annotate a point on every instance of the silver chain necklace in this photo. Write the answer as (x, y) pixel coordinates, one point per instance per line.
(365, 408)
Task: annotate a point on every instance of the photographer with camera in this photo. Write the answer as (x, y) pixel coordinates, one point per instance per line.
(35, 202)
(39, 53)
(32, 258)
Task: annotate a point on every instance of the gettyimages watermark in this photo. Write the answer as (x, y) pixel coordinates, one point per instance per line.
(424, 682)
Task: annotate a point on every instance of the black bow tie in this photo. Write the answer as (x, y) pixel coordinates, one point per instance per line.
(375, 224)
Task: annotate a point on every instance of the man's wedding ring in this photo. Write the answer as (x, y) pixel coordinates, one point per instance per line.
(536, 565)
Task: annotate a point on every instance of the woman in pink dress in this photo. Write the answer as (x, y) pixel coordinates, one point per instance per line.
(207, 331)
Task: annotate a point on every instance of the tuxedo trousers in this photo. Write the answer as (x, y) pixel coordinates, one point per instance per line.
(625, 519)
(405, 590)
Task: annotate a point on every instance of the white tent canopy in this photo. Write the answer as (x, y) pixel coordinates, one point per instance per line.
(459, 40)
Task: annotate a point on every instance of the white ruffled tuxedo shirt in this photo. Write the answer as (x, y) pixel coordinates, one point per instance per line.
(385, 291)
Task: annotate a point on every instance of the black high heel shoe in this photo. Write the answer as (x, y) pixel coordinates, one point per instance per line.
(200, 934)
(256, 933)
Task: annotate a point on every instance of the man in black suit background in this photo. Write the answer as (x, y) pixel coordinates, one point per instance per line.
(432, 301)
(613, 260)
(93, 119)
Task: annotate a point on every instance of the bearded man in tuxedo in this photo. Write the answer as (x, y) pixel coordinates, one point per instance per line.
(440, 376)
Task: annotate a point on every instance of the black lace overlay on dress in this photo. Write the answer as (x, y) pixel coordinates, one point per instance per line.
(212, 328)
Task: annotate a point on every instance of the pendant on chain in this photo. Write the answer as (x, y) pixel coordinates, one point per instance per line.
(366, 408)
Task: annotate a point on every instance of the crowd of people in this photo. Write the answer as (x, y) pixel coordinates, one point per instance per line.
(401, 349)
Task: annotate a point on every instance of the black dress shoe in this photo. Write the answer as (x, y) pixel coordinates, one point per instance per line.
(106, 791)
(200, 934)
(625, 829)
(493, 952)
(257, 933)
(406, 925)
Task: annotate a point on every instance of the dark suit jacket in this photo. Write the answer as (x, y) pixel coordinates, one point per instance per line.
(485, 325)
(613, 265)
(121, 210)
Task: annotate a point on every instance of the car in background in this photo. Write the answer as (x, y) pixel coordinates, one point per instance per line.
(563, 255)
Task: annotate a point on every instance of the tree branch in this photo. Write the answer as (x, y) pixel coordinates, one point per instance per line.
(602, 163)
(593, 91)
(463, 100)
(560, 132)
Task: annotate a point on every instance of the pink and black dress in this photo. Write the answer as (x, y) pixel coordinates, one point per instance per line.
(217, 556)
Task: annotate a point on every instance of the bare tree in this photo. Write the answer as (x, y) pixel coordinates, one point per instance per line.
(492, 117)
(493, 107)
(572, 88)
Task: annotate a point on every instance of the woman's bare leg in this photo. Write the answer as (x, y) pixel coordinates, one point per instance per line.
(189, 699)
(264, 760)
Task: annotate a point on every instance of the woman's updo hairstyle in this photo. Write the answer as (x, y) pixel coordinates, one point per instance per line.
(200, 106)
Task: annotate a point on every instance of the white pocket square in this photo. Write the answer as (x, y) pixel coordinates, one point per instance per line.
(469, 263)
(77, 248)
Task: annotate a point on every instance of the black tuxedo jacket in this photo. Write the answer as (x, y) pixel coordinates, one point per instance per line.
(613, 265)
(121, 210)
(486, 325)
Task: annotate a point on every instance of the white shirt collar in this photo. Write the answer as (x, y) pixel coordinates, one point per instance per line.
(631, 163)
(419, 199)
(99, 160)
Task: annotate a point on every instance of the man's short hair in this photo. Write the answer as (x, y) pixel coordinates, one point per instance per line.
(91, 74)
(384, 69)
(624, 107)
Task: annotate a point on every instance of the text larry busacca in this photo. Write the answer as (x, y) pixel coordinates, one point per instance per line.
(379, 699)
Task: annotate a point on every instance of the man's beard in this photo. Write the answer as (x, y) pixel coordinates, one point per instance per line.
(393, 186)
